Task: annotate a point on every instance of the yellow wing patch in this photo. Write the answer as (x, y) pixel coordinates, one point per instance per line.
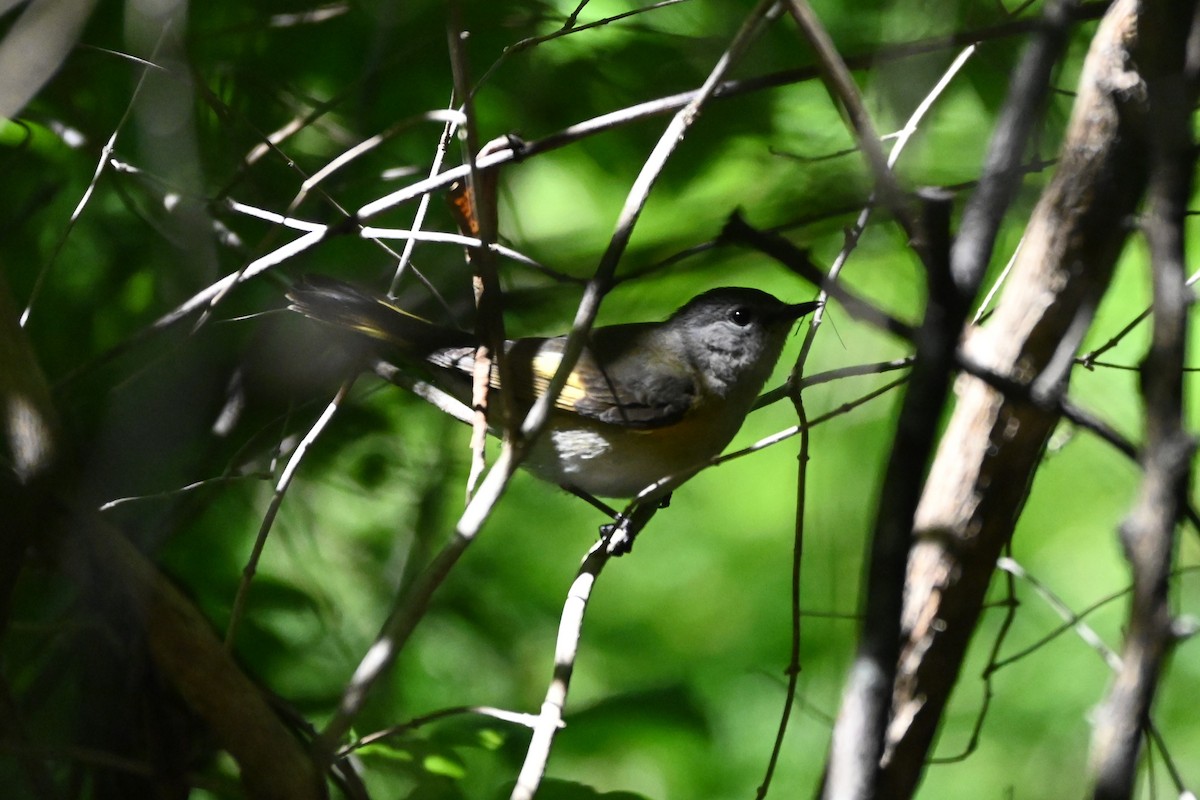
(545, 364)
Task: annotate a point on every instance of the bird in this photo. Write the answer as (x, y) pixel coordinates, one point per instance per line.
(645, 407)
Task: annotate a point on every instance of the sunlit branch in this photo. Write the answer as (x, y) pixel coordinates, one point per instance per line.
(268, 521)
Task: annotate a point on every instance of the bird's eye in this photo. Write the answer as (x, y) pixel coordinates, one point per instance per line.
(741, 316)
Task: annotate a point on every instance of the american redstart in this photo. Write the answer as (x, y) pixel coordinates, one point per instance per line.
(645, 401)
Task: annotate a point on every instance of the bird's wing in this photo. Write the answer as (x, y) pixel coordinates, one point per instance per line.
(607, 383)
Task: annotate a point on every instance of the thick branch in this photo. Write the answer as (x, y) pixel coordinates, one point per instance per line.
(183, 645)
(35, 488)
(954, 274)
(858, 733)
(993, 444)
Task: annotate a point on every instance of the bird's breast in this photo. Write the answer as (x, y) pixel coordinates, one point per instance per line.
(617, 461)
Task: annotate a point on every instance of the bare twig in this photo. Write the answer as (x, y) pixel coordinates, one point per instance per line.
(106, 154)
(569, 26)
(841, 85)
(796, 382)
(1089, 359)
(268, 521)
(570, 629)
(793, 667)
(787, 433)
(1071, 620)
(1002, 172)
(524, 720)
(439, 155)
(108, 505)
(903, 136)
(986, 303)
(485, 281)
(539, 748)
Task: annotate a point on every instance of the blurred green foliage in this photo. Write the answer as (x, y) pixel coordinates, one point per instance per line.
(680, 681)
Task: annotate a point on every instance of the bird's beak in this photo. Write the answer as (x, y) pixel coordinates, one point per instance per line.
(797, 310)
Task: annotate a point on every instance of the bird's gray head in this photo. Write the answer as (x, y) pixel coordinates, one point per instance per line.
(734, 336)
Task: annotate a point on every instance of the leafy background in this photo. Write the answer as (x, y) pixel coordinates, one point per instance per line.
(680, 680)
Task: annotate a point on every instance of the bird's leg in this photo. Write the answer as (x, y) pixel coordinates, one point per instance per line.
(591, 500)
(619, 534)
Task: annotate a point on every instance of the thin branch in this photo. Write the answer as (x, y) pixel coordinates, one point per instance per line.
(106, 154)
(902, 137)
(1090, 359)
(439, 155)
(566, 649)
(820, 419)
(1071, 620)
(1148, 533)
(981, 312)
(569, 27)
(187, 487)
(1001, 176)
(268, 521)
(483, 218)
(524, 720)
(798, 383)
(793, 667)
(841, 85)
(539, 748)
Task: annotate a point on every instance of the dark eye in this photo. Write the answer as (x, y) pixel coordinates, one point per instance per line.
(741, 316)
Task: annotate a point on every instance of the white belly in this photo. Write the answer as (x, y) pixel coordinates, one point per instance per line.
(614, 461)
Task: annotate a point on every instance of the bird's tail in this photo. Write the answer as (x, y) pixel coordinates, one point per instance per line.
(376, 318)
